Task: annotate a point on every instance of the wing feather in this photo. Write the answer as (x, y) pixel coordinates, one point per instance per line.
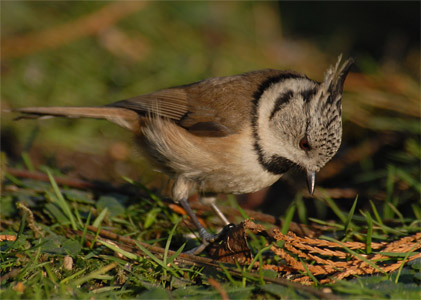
(213, 107)
(169, 103)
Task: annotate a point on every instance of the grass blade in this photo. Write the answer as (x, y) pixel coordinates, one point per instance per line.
(64, 206)
(390, 181)
(404, 260)
(416, 210)
(156, 259)
(72, 276)
(27, 161)
(85, 228)
(376, 213)
(369, 233)
(120, 251)
(167, 244)
(258, 256)
(352, 252)
(309, 274)
(348, 222)
(94, 274)
(301, 209)
(177, 253)
(334, 208)
(288, 218)
(409, 180)
(100, 218)
(397, 212)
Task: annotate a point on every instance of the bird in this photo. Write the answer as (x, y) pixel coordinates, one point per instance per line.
(232, 135)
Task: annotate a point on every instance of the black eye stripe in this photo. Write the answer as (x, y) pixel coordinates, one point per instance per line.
(286, 97)
(308, 94)
(281, 100)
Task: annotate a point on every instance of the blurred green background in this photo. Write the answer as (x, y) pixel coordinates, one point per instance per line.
(94, 53)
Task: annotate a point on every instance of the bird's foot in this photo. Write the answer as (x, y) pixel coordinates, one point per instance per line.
(208, 238)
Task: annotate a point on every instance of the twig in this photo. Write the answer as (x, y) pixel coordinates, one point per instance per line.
(219, 288)
(13, 273)
(31, 220)
(90, 24)
(68, 181)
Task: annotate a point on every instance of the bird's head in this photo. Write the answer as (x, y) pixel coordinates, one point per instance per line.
(298, 121)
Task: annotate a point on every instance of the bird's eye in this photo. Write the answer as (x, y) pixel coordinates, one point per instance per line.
(304, 144)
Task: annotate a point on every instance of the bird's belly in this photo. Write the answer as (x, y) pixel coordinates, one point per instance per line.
(235, 181)
(219, 165)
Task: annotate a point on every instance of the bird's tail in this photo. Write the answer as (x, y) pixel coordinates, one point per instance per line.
(125, 118)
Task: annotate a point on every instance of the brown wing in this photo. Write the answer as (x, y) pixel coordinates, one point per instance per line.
(168, 103)
(214, 107)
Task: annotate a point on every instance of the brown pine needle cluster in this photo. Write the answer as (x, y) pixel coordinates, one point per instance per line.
(335, 260)
(304, 259)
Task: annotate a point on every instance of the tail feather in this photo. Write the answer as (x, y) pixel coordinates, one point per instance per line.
(123, 117)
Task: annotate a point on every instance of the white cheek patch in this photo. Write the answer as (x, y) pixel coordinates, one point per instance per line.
(267, 129)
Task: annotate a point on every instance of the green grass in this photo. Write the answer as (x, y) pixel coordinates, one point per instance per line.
(33, 265)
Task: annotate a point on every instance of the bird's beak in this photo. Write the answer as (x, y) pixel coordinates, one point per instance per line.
(311, 179)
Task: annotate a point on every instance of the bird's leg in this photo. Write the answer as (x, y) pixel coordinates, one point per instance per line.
(180, 191)
(220, 214)
(211, 201)
(204, 235)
